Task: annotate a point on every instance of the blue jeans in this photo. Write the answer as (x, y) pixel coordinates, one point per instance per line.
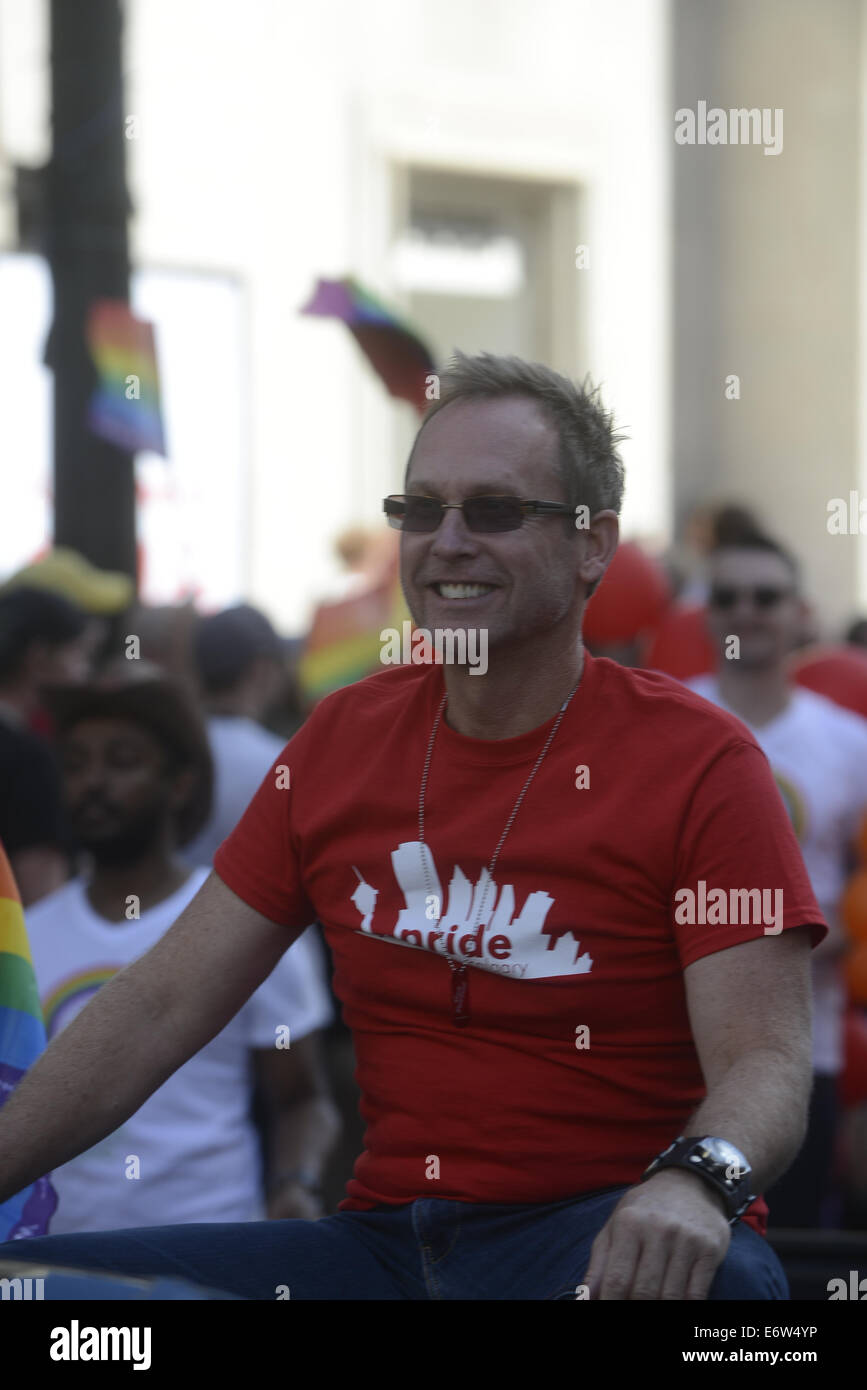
(432, 1248)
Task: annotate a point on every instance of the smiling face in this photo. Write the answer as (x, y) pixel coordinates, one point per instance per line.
(516, 584)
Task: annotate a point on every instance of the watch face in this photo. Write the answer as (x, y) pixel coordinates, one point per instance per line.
(730, 1159)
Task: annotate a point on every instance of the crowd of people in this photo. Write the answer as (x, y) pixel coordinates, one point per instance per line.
(120, 779)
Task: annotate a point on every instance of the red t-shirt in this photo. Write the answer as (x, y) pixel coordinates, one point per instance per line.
(578, 932)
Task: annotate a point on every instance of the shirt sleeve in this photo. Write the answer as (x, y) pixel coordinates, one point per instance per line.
(294, 995)
(736, 836)
(259, 860)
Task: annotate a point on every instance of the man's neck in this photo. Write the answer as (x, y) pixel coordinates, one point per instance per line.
(149, 880)
(510, 698)
(757, 697)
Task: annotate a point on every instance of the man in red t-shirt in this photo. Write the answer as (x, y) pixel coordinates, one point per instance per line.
(569, 920)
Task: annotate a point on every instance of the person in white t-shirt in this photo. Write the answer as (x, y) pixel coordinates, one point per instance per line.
(136, 773)
(240, 665)
(818, 754)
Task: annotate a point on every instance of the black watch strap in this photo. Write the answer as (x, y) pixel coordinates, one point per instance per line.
(712, 1160)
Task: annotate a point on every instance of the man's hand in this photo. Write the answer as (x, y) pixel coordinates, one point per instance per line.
(665, 1239)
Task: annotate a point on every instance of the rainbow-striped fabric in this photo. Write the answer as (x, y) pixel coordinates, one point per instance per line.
(126, 407)
(22, 1038)
(344, 643)
(394, 348)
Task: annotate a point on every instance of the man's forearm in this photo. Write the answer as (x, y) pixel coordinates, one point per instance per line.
(760, 1106)
(137, 1031)
(90, 1079)
(302, 1136)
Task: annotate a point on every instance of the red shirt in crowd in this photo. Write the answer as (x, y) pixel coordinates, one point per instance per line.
(577, 1065)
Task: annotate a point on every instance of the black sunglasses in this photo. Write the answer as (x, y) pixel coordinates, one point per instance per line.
(724, 596)
(480, 513)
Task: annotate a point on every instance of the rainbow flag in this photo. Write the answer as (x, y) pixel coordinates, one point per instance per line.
(22, 1038)
(392, 345)
(125, 409)
(344, 643)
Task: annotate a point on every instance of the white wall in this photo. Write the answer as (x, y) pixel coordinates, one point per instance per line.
(271, 139)
(270, 136)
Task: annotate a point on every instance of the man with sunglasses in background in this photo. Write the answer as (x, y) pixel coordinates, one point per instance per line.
(818, 754)
(570, 1089)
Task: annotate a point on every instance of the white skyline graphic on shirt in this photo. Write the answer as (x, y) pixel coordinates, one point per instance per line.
(520, 946)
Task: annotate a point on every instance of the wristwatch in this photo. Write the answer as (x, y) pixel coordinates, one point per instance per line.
(718, 1162)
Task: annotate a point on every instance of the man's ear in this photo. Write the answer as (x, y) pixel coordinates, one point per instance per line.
(599, 541)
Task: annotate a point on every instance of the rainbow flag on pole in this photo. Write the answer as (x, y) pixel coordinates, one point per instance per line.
(22, 1038)
(125, 408)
